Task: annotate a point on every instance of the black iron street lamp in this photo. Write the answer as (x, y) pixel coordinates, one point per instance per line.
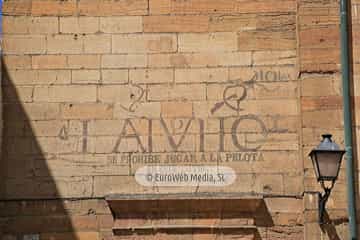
(326, 158)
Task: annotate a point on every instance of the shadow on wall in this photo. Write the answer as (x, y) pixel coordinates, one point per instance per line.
(330, 227)
(29, 197)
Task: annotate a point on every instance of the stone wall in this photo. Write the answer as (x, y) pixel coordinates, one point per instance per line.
(96, 90)
(321, 106)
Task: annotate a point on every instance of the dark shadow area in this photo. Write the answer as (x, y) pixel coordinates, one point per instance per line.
(30, 202)
(329, 226)
(263, 217)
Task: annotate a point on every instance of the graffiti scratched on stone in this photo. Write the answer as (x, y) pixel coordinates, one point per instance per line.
(136, 93)
(235, 93)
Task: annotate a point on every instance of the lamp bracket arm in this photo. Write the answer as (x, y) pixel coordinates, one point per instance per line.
(323, 198)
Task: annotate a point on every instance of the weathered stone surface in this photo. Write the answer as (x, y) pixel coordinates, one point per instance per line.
(93, 90)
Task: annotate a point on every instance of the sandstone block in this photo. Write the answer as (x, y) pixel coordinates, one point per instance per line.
(53, 77)
(24, 44)
(69, 93)
(123, 61)
(274, 57)
(14, 8)
(323, 103)
(314, 119)
(113, 7)
(21, 77)
(46, 128)
(49, 62)
(200, 59)
(320, 60)
(264, 74)
(64, 44)
(36, 77)
(43, 25)
(204, 42)
(121, 24)
(42, 111)
(267, 40)
(98, 43)
(53, 8)
(17, 62)
(85, 76)
(18, 94)
(253, 22)
(176, 23)
(220, 7)
(86, 111)
(120, 93)
(176, 109)
(69, 165)
(284, 205)
(269, 183)
(15, 25)
(202, 75)
(193, 92)
(83, 61)
(144, 76)
(45, 187)
(158, 92)
(115, 76)
(102, 186)
(79, 25)
(320, 37)
(56, 145)
(143, 110)
(144, 43)
(105, 127)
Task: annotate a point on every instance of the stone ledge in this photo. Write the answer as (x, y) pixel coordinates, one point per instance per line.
(183, 196)
(186, 212)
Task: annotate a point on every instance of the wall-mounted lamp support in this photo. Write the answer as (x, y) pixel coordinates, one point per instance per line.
(326, 159)
(323, 198)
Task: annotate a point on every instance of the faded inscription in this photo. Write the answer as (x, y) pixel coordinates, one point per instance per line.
(129, 131)
(238, 138)
(185, 158)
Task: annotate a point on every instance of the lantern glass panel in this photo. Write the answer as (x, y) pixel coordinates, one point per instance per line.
(314, 162)
(329, 164)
